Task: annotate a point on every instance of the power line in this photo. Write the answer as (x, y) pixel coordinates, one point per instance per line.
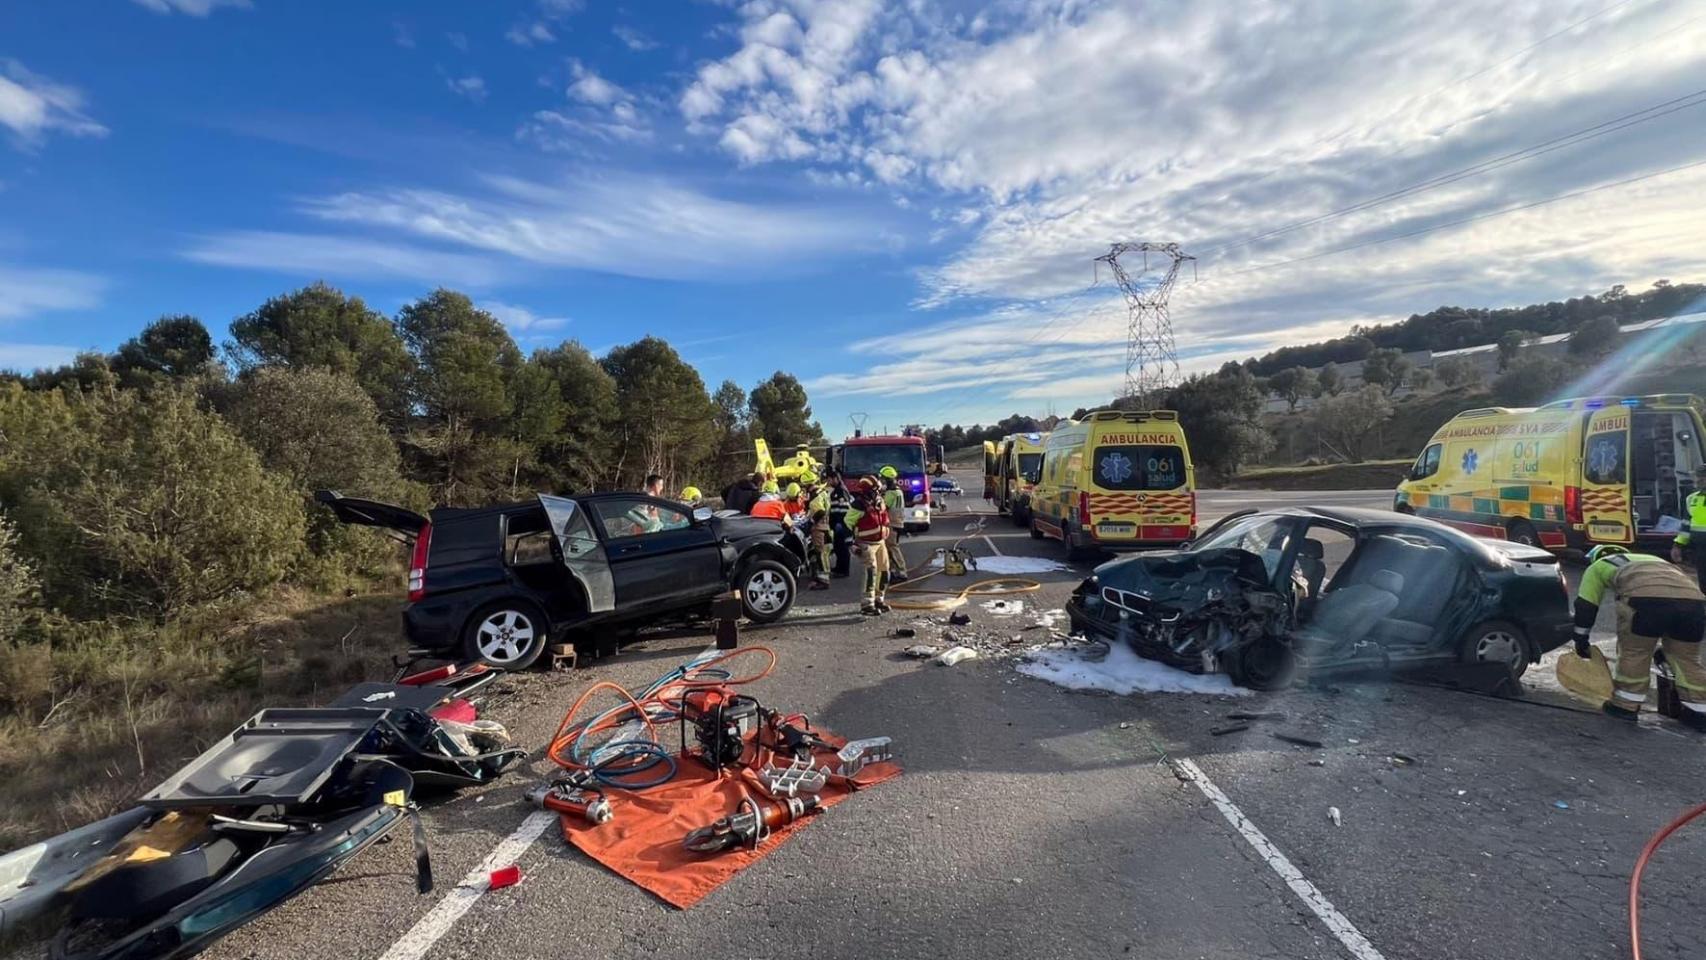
(1583, 135)
(1151, 357)
(1457, 223)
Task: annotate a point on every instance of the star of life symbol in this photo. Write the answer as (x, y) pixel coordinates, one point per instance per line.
(1116, 467)
(1603, 460)
(1470, 460)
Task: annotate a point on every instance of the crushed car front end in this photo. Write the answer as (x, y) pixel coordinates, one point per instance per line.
(1192, 610)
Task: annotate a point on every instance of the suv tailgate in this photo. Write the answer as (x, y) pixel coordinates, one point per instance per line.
(400, 522)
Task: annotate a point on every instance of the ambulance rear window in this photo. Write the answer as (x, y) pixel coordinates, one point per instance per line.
(1139, 467)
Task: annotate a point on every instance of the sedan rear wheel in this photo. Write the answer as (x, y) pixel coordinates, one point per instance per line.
(1495, 641)
(508, 634)
(766, 591)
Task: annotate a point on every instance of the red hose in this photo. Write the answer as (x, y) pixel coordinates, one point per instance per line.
(1641, 864)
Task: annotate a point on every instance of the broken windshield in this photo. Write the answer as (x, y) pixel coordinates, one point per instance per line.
(1264, 536)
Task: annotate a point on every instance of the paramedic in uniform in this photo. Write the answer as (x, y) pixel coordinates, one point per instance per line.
(1691, 542)
(1657, 605)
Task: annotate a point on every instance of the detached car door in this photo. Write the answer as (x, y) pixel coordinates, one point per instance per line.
(582, 553)
(658, 555)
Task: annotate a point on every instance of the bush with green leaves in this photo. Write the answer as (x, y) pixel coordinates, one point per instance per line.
(323, 431)
(20, 592)
(141, 503)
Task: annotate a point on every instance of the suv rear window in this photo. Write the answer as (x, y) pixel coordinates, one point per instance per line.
(1138, 467)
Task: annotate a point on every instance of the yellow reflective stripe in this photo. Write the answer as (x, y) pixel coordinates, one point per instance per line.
(1685, 685)
(1620, 678)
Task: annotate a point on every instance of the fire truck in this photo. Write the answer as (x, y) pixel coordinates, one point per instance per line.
(860, 456)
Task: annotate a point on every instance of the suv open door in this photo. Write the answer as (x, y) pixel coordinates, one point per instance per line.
(400, 523)
(583, 553)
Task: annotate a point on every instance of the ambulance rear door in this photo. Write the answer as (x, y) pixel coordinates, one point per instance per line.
(1607, 508)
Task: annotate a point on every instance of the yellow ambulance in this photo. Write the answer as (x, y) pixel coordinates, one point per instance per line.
(1010, 471)
(1570, 474)
(1116, 480)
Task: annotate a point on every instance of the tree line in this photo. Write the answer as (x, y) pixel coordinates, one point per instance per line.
(169, 474)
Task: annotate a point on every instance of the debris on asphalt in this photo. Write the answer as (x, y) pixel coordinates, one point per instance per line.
(1317, 762)
(953, 655)
(1125, 725)
(1004, 608)
(1560, 805)
(1229, 728)
(959, 619)
(904, 632)
(1299, 741)
(503, 877)
(922, 651)
(1401, 759)
(1333, 815)
(1255, 716)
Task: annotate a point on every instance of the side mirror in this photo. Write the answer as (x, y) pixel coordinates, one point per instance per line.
(701, 514)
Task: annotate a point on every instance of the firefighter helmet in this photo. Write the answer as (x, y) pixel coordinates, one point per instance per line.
(1605, 550)
(888, 473)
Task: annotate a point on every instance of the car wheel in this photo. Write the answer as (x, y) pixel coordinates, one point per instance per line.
(766, 591)
(1521, 531)
(1035, 533)
(1266, 664)
(509, 634)
(1495, 641)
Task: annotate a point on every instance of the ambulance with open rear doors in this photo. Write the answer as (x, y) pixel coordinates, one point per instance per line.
(1570, 474)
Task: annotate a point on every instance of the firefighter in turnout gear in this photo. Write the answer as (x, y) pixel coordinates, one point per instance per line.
(1657, 605)
(1691, 542)
(869, 521)
(894, 503)
(817, 509)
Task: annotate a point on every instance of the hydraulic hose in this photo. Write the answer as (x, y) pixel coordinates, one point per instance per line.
(1641, 865)
(949, 599)
(621, 763)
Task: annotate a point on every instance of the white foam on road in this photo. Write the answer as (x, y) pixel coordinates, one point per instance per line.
(1004, 608)
(1011, 566)
(1123, 672)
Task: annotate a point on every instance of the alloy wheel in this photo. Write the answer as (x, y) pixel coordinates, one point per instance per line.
(505, 636)
(766, 591)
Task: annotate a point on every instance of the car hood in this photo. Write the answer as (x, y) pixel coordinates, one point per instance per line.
(1519, 552)
(1182, 579)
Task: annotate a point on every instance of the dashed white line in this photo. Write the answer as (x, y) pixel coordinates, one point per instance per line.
(992, 546)
(1312, 897)
(444, 914)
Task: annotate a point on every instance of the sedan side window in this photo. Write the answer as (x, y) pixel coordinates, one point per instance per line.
(638, 518)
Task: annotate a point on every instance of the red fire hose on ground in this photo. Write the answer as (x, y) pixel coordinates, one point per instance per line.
(1641, 865)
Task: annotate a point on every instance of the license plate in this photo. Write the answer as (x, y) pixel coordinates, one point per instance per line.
(1607, 531)
(1115, 529)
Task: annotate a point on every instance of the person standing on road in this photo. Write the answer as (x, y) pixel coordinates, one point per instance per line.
(870, 524)
(1657, 605)
(894, 504)
(840, 502)
(1691, 542)
(817, 509)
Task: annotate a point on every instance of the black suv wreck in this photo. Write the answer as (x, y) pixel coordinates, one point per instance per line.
(1263, 593)
(493, 584)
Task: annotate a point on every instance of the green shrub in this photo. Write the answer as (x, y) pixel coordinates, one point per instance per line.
(141, 504)
(322, 431)
(20, 592)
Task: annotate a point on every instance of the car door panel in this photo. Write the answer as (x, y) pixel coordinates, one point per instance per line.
(664, 567)
(583, 553)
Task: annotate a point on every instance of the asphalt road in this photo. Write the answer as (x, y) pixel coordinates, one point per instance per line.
(1037, 822)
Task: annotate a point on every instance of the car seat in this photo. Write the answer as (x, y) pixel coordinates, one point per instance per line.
(1312, 565)
(1347, 614)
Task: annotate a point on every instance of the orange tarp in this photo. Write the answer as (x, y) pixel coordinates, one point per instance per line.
(643, 842)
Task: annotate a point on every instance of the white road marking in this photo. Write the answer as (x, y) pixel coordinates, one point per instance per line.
(1312, 897)
(444, 914)
(438, 921)
(992, 546)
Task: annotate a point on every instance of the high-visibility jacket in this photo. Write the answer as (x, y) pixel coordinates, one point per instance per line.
(1696, 506)
(819, 501)
(894, 503)
(869, 526)
(774, 509)
(1631, 576)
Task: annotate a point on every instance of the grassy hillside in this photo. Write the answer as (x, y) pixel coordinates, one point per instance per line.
(1368, 475)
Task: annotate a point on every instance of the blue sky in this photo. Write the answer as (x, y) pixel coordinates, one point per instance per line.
(899, 201)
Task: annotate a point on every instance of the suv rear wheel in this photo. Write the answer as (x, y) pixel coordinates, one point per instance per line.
(510, 634)
(766, 590)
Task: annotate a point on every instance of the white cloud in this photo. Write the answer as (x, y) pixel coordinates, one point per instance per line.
(457, 40)
(529, 34)
(472, 87)
(633, 38)
(632, 226)
(27, 291)
(1047, 129)
(311, 256)
(194, 8)
(587, 86)
(31, 106)
(520, 320)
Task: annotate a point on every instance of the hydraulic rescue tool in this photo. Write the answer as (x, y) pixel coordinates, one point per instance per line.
(752, 821)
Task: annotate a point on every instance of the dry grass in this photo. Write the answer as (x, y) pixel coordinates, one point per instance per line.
(109, 710)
